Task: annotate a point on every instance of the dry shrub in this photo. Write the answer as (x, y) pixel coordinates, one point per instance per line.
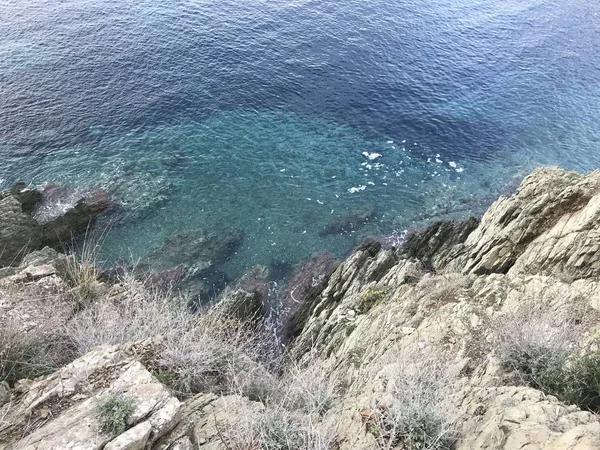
(81, 272)
(539, 344)
(416, 414)
(31, 342)
(534, 331)
(29, 354)
(274, 428)
(445, 288)
(293, 406)
(308, 388)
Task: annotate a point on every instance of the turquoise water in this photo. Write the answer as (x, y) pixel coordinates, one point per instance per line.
(277, 117)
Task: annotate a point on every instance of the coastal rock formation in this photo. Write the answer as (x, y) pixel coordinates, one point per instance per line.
(428, 345)
(32, 219)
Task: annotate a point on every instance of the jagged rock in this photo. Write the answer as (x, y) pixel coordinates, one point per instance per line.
(27, 196)
(60, 410)
(309, 276)
(208, 420)
(511, 224)
(47, 256)
(32, 219)
(519, 417)
(435, 245)
(352, 221)
(19, 234)
(247, 300)
(64, 214)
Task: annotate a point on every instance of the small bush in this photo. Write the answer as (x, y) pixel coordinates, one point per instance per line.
(539, 344)
(371, 297)
(415, 416)
(446, 288)
(113, 414)
(276, 428)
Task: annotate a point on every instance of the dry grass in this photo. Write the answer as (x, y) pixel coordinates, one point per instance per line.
(291, 417)
(197, 350)
(539, 344)
(534, 331)
(29, 354)
(82, 271)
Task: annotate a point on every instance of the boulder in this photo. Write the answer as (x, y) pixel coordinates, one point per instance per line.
(28, 197)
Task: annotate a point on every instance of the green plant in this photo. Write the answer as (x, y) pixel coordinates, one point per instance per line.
(573, 379)
(114, 412)
(371, 297)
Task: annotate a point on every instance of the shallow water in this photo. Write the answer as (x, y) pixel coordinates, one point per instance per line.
(257, 114)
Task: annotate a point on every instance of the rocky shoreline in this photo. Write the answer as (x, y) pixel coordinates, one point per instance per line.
(480, 334)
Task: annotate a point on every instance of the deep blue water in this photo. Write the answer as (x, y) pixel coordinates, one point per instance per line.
(256, 113)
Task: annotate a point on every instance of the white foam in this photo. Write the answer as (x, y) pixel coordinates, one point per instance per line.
(352, 190)
(372, 156)
(452, 164)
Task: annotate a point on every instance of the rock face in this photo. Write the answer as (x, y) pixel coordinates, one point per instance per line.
(64, 214)
(379, 309)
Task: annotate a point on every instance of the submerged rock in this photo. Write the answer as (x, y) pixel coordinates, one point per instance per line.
(350, 222)
(188, 262)
(196, 248)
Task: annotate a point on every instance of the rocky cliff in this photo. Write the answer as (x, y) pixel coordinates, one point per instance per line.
(473, 335)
